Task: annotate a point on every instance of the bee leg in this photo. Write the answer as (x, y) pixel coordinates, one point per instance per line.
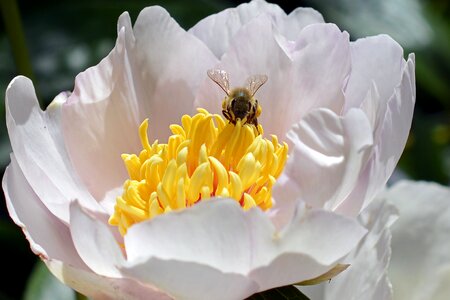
(255, 123)
(227, 115)
(252, 115)
(258, 109)
(224, 104)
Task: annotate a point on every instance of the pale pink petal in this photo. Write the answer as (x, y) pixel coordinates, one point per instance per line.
(190, 280)
(38, 147)
(218, 31)
(296, 84)
(420, 264)
(95, 243)
(49, 237)
(366, 278)
(291, 26)
(199, 234)
(383, 67)
(171, 75)
(327, 149)
(309, 246)
(321, 59)
(285, 194)
(149, 74)
(241, 61)
(100, 121)
(389, 141)
(99, 287)
(244, 243)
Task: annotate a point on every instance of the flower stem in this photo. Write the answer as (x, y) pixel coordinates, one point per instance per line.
(79, 296)
(16, 36)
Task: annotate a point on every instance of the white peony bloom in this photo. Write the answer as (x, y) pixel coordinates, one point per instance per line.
(213, 210)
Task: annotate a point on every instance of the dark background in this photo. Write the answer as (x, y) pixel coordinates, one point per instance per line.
(63, 38)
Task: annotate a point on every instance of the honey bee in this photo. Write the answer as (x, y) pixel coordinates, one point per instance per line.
(240, 102)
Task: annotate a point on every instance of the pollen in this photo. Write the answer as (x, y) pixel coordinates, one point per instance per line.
(205, 158)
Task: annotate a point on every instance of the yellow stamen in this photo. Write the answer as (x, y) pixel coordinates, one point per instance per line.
(204, 157)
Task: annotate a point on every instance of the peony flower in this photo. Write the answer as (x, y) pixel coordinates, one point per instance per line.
(419, 264)
(186, 204)
(367, 277)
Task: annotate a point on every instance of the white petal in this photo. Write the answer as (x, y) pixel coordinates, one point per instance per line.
(48, 236)
(420, 241)
(321, 59)
(366, 278)
(378, 60)
(101, 118)
(38, 147)
(217, 31)
(199, 234)
(299, 18)
(327, 149)
(149, 74)
(242, 243)
(171, 76)
(286, 194)
(241, 61)
(96, 286)
(310, 246)
(95, 243)
(190, 280)
(389, 141)
(296, 80)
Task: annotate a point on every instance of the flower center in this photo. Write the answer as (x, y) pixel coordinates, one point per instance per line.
(204, 157)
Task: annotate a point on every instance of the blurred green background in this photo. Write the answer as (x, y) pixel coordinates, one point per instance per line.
(63, 38)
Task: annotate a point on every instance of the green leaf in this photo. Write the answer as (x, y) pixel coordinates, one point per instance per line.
(336, 270)
(42, 285)
(288, 292)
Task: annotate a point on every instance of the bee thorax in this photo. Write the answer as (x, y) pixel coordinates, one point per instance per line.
(241, 107)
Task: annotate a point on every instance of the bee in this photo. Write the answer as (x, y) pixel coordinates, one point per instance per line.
(240, 102)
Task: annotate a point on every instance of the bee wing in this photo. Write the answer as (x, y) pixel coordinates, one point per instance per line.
(221, 78)
(255, 82)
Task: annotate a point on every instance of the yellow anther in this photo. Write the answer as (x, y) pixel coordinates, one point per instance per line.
(168, 179)
(182, 156)
(220, 122)
(221, 175)
(232, 143)
(177, 130)
(224, 193)
(249, 169)
(181, 194)
(198, 179)
(133, 197)
(133, 165)
(186, 122)
(163, 196)
(235, 186)
(249, 202)
(155, 208)
(205, 157)
(143, 135)
(132, 211)
(174, 142)
(205, 193)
